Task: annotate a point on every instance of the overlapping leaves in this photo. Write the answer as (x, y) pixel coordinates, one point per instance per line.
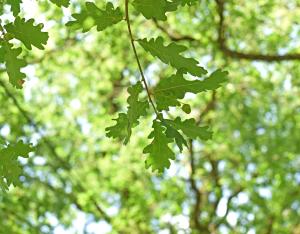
(167, 93)
(125, 122)
(10, 169)
(30, 35)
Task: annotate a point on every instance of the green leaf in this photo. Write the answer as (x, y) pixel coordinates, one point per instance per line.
(174, 4)
(151, 9)
(61, 3)
(174, 134)
(170, 54)
(159, 152)
(169, 90)
(190, 128)
(119, 130)
(15, 6)
(10, 169)
(28, 33)
(14, 65)
(136, 108)
(125, 122)
(93, 16)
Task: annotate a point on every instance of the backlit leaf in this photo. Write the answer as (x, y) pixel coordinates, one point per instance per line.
(190, 129)
(170, 54)
(15, 6)
(28, 33)
(159, 152)
(151, 9)
(61, 3)
(10, 169)
(93, 16)
(125, 122)
(14, 64)
(169, 90)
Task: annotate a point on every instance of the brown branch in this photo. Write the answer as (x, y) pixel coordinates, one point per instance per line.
(210, 106)
(198, 195)
(196, 213)
(222, 41)
(241, 55)
(174, 36)
(229, 200)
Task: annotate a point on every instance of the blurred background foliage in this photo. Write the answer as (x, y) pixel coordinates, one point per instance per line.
(245, 180)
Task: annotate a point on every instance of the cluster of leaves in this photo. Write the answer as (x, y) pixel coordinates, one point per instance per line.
(28, 33)
(10, 169)
(168, 91)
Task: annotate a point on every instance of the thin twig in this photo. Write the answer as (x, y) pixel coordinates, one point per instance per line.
(137, 57)
(241, 55)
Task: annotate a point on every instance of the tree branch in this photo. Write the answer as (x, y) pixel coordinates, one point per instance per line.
(137, 57)
(50, 146)
(240, 55)
(174, 36)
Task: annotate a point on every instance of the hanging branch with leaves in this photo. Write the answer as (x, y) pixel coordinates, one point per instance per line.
(167, 93)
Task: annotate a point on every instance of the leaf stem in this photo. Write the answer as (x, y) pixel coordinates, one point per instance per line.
(136, 56)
